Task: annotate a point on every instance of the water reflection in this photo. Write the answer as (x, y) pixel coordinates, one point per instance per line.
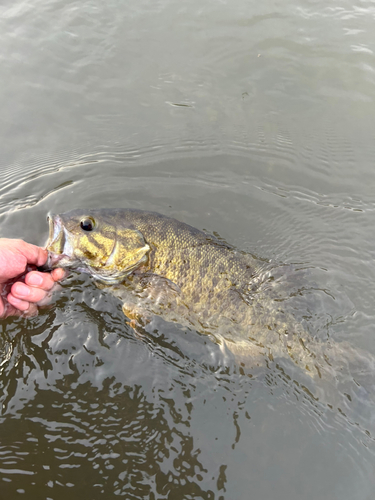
(112, 433)
(111, 439)
(88, 405)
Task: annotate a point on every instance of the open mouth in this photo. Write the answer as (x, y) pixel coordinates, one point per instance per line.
(58, 246)
(56, 232)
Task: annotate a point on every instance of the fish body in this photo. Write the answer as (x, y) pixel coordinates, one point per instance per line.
(158, 265)
(212, 276)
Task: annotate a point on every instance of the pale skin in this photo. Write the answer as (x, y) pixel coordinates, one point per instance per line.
(23, 297)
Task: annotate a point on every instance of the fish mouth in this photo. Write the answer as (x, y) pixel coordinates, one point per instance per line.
(60, 250)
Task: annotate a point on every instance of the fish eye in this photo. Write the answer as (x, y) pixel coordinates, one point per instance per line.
(87, 224)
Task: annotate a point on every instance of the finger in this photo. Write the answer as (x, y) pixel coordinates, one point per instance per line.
(59, 274)
(39, 280)
(19, 304)
(34, 254)
(1, 308)
(46, 281)
(36, 279)
(27, 293)
(18, 307)
(16, 254)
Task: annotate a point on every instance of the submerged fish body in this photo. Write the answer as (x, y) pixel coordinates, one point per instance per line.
(212, 277)
(160, 266)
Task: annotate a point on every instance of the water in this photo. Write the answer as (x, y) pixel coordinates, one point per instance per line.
(252, 121)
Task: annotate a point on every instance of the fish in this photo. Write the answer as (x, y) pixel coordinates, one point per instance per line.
(211, 278)
(159, 266)
(206, 273)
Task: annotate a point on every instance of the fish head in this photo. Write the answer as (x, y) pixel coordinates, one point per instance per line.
(99, 242)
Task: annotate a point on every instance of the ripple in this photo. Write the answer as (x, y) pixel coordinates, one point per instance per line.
(256, 126)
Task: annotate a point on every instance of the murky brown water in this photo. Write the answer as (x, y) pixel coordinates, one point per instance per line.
(252, 121)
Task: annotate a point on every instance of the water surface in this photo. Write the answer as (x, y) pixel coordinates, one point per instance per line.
(253, 122)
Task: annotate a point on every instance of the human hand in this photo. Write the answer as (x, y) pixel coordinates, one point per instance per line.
(15, 256)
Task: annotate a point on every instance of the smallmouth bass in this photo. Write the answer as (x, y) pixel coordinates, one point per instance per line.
(158, 265)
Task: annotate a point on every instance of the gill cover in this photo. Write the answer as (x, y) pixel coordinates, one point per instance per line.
(129, 252)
